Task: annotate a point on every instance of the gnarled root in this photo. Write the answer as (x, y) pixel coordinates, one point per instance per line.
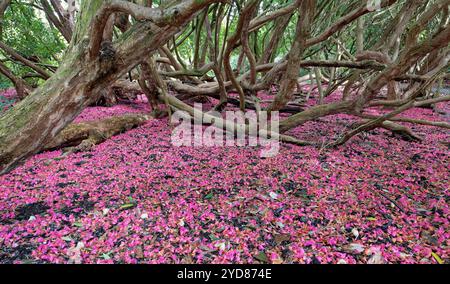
(404, 132)
(83, 136)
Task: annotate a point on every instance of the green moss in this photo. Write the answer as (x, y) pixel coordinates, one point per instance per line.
(89, 9)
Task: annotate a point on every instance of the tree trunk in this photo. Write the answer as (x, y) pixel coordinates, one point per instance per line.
(289, 80)
(4, 4)
(22, 88)
(35, 121)
(82, 136)
(60, 21)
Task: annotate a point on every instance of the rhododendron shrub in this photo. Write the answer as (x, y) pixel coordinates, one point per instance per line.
(218, 131)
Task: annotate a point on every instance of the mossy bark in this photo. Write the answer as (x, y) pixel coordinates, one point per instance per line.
(35, 121)
(82, 136)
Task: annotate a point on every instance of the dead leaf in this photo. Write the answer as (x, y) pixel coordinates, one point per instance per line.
(342, 261)
(273, 195)
(220, 246)
(353, 248)
(279, 238)
(139, 252)
(355, 233)
(376, 258)
(75, 253)
(187, 260)
(278, 260)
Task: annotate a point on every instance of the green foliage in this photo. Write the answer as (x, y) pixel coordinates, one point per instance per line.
(26, 30)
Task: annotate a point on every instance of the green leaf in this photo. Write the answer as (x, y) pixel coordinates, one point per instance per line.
(262, 257)
(209, 196)
(437, 257)
(78, 224)
(127, 206)
(67, 239)
(213, 238)
(371, 218)
(106, 256)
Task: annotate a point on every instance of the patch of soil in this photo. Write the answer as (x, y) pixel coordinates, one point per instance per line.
(24, 212)
(21, 253)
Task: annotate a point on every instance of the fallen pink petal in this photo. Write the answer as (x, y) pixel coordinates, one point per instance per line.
(96, 169)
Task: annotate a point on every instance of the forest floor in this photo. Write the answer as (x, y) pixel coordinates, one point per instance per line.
(137, 199)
